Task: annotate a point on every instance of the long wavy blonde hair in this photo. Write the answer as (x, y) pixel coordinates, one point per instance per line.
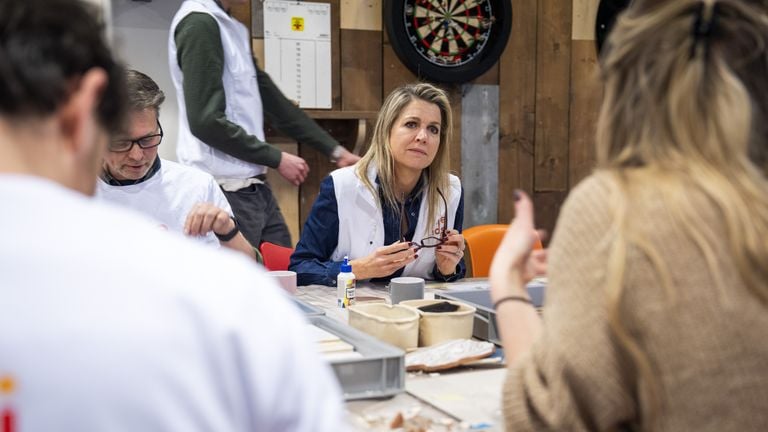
(686, 108)
(379, 153)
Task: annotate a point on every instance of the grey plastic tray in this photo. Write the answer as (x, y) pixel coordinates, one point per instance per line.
(381, 371)
(308, 309)
(485, 316)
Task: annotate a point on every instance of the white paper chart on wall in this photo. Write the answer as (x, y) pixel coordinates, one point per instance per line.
(297, 47)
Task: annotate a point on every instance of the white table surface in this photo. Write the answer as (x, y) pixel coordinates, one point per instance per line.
(473, 407)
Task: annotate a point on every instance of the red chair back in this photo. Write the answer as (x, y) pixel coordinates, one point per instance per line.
(275, 257)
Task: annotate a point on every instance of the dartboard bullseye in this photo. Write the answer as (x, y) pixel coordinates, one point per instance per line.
(448, 40)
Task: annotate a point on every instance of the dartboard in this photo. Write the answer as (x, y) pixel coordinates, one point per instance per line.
(448, 40)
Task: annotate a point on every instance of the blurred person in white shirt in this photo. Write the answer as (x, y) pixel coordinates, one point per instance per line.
(106, 322)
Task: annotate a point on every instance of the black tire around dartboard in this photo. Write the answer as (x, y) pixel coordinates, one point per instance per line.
(607, 13)
(448, 46)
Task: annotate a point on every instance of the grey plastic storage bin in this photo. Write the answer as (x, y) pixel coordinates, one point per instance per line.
(308, 309)
(485, 316)
(381, 371)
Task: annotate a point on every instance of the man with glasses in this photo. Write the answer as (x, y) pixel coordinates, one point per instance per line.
(180, 198)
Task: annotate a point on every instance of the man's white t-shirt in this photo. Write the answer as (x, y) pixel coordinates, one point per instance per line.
(109, 324)
(168, 196)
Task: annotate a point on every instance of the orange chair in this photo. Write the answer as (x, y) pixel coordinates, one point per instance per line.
(275, 257)
(482, 242)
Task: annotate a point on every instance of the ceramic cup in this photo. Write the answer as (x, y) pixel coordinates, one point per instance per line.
(286, 279)
(406, 288)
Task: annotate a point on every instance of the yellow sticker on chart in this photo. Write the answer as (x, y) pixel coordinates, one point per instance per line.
(297, 23)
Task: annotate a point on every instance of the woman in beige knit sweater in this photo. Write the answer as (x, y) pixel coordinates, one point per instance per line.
(657, 307)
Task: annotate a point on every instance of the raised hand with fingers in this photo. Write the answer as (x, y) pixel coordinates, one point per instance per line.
(384, 261)
(515, 262)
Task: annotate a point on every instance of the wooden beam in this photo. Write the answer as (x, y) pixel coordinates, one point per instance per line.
(586, 95)
(361, 75)
(584, 17)
(552, 95)
(361, 15)
(517, 107)
(480, 153)
(394, 72)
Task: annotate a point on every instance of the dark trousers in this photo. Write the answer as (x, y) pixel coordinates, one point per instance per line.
(259, 216)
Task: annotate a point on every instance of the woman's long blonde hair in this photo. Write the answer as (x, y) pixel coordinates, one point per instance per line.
(379, 153)
(686, 108)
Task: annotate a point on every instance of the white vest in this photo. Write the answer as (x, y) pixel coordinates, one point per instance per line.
(240, 87)
(168, 196)
(361, 222)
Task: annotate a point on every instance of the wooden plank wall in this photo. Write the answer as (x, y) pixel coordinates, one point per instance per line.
(586, 90)
(548, 96)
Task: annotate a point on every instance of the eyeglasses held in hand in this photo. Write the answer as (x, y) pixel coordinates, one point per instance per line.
(145, 142)
(426, 242)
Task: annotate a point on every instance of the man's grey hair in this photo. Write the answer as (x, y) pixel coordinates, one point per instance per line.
(143, 92)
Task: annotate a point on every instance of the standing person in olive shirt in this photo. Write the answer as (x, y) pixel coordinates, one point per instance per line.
(223, 98)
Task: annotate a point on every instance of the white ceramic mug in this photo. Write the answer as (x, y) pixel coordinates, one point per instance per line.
(406, 288)
(286, 279)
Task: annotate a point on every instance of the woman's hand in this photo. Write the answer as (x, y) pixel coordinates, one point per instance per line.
(448, 254)
(384, 261)
(515, 262)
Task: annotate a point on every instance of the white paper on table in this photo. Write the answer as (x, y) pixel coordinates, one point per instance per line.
(330, 345)
(319, 335)
(472, 397)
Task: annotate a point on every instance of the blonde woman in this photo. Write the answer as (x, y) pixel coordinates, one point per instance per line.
(656, 315)
(397, 212)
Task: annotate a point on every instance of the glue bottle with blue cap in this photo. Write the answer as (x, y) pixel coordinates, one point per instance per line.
(345, 285)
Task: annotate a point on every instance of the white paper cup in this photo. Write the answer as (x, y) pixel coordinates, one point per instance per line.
(406, 288)
(286, 279)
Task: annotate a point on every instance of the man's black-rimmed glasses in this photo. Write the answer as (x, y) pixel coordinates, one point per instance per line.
(145, 142)
(426, 242)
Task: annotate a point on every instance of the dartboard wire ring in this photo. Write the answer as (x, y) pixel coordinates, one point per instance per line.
(438, 22)
(453, 51)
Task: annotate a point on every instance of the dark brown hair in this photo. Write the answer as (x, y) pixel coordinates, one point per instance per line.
(45, 47)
